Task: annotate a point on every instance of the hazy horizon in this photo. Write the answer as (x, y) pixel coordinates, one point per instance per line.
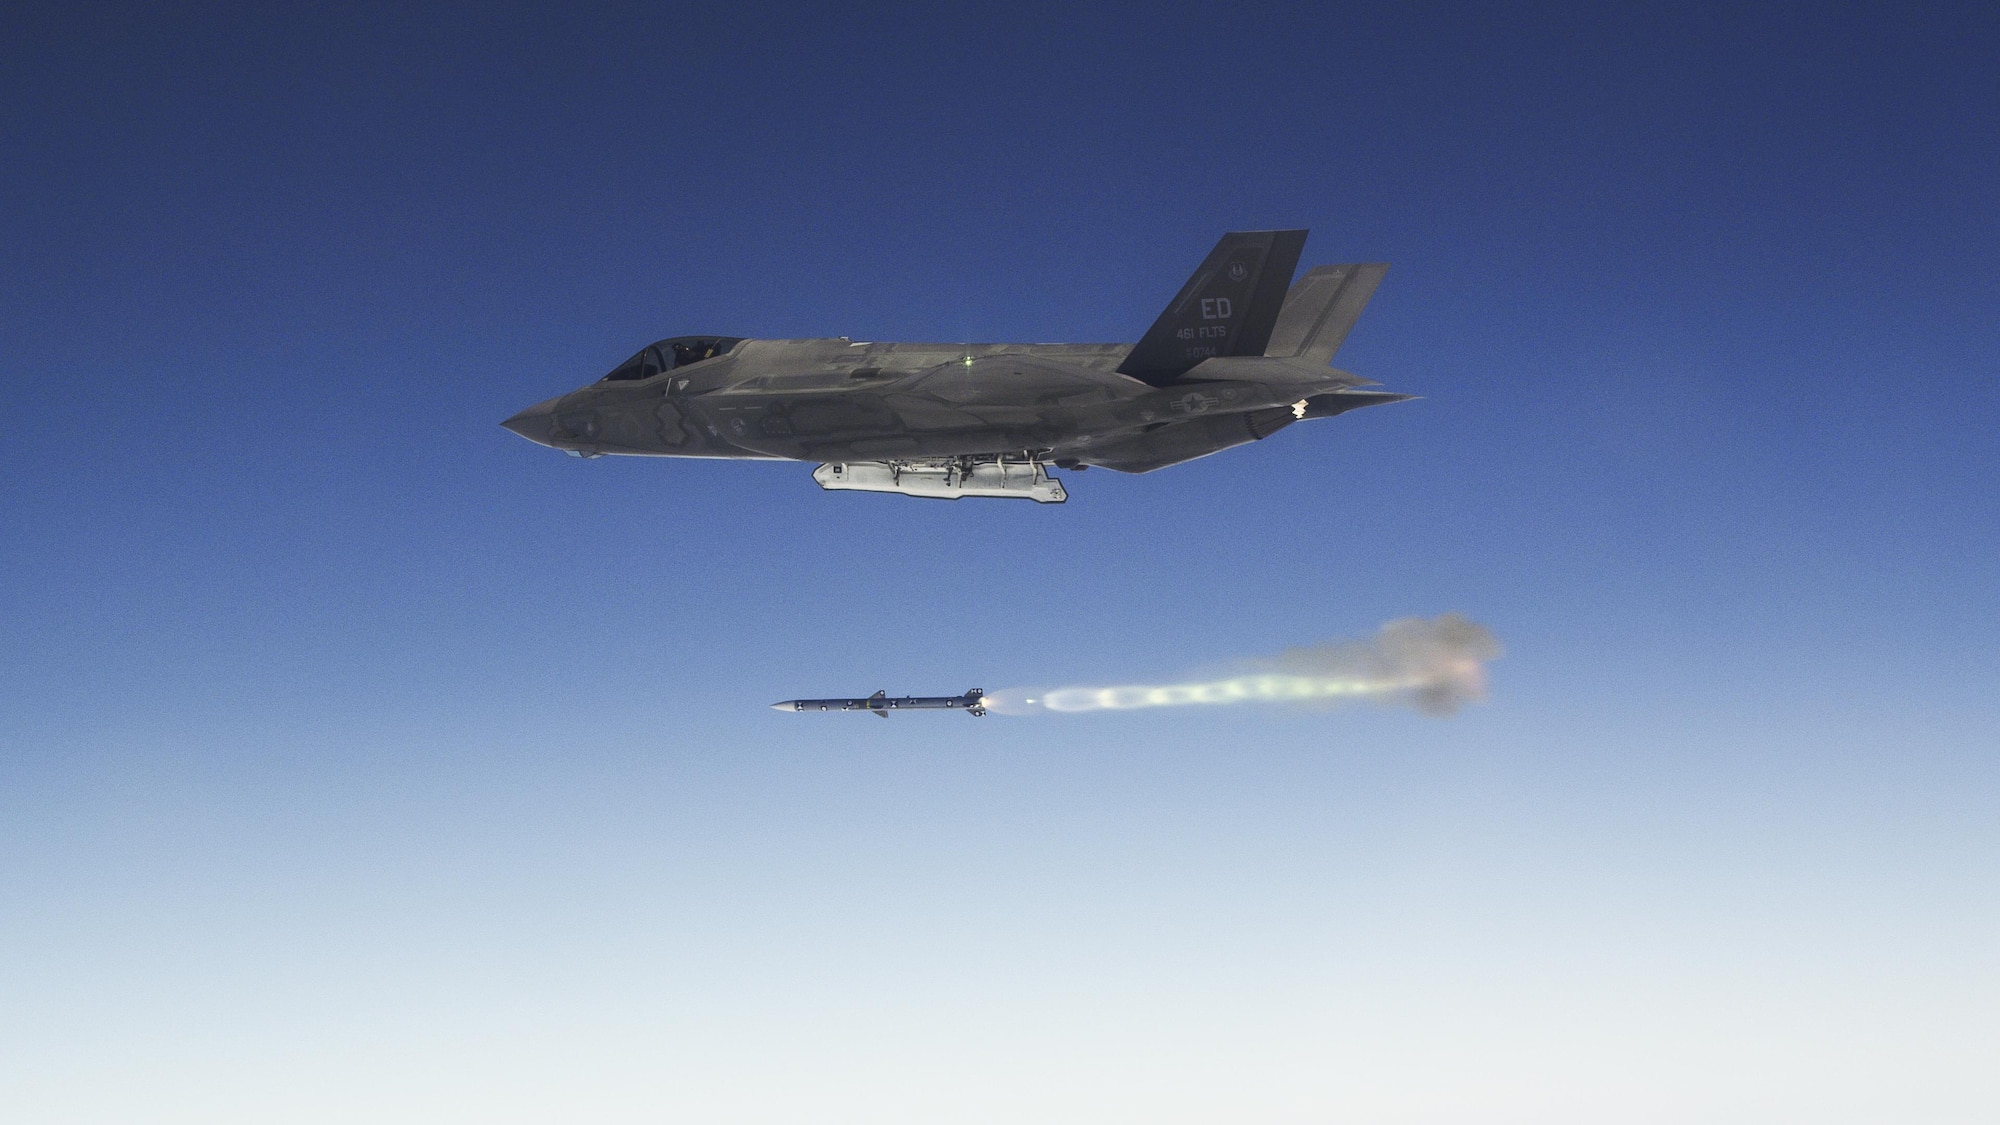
(360, 759)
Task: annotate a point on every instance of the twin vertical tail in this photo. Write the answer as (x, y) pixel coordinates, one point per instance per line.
(1239, 304)
(1229, 306)
(1321, 309)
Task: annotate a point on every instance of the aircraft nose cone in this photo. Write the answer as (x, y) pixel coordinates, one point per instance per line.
(536, 423)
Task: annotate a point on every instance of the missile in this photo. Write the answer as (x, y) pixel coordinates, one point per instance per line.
(881, 703)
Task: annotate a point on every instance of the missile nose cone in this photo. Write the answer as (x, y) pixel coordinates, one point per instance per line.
(787, 705)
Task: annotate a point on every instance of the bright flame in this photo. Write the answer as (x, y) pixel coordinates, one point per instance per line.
(1435, 666)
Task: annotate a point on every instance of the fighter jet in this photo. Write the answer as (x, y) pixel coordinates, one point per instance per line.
(1240, 353)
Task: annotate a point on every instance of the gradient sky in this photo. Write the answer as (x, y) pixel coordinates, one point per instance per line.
(361, 761)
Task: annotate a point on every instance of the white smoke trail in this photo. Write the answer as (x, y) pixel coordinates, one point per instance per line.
(1435, 666)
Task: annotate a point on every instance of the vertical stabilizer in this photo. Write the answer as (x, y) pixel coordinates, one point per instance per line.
(1229, 307)
(1321, 309)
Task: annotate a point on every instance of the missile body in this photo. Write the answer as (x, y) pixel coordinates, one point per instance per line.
(881, 703)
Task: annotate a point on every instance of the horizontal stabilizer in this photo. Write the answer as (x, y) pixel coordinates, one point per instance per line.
(1340, 402)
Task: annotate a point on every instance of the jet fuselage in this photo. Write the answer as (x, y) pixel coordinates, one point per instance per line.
(1186, 391)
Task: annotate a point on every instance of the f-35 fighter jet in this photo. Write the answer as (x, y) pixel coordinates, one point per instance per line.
(1240, 353)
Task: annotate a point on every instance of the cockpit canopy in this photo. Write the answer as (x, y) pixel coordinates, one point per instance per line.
(669, 354)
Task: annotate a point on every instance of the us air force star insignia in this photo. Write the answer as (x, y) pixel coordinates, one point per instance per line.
(1237, 272)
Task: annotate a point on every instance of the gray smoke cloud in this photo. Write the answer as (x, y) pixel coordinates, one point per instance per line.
(1434, 665)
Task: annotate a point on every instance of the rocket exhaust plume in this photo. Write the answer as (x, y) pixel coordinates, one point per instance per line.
(1435, 666)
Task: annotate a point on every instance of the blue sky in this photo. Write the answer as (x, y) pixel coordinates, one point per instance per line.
(358, 758)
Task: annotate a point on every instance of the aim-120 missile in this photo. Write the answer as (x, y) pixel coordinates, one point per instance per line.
(972, 703)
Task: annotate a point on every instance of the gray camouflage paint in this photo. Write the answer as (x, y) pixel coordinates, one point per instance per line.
(840, 400)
